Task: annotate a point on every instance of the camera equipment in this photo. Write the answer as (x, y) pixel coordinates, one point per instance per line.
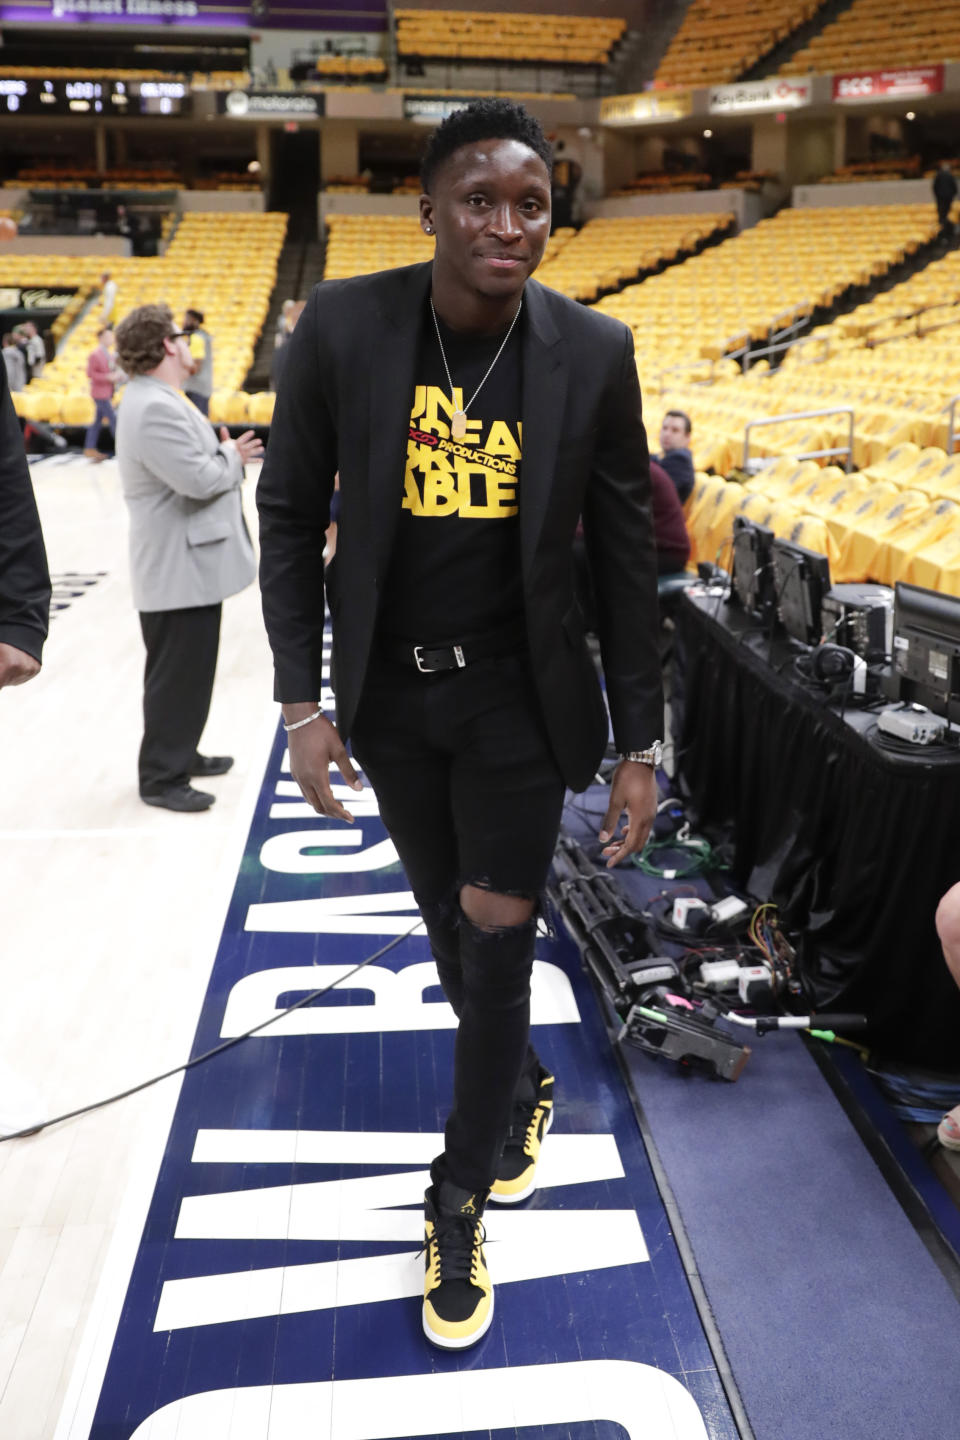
(913, 724)
(753, 579)
(682, 1036)
(839, 668)
(614, 942)
(802, 579)
(926, 648)
(661, 1012)
(860, 617)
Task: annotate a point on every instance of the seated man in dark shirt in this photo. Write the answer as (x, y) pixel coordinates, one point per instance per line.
(669, 526)
(675, 444)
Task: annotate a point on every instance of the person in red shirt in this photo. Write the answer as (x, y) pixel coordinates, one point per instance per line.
(103, 376)
(669, 526)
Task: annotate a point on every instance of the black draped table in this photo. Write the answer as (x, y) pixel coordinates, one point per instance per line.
(854, 844)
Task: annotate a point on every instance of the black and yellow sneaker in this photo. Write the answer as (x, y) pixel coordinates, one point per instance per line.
(532, 1118)
(457, 1293)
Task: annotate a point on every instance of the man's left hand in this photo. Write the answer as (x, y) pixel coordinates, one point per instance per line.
(634, 790)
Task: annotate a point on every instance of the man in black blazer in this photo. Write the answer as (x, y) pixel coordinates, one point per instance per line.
(24, 577)
(473, 416)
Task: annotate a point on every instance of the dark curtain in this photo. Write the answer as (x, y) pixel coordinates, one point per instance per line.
(855, 845)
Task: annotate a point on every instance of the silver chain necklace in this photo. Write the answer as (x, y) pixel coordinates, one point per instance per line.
(458, 421)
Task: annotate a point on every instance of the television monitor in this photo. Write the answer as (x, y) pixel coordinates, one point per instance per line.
(752, 581)
(926, 648)
(801, 580)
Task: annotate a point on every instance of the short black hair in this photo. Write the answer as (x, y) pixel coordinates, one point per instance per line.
(489, 119)
(680, 415)
(197, 314)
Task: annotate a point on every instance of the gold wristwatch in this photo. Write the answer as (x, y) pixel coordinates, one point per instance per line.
(653, 756)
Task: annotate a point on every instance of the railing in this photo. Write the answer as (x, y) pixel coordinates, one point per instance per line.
(742, 350)
(778, 345)
(686, 367)
(781, 339)
(808, 415)
(951, 409)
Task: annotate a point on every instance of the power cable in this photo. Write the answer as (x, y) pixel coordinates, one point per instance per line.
(217, 1050)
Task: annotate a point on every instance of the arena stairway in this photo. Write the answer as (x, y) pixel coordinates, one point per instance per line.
(642, 50)
(774, 59)
(856, 295)
(289, 269)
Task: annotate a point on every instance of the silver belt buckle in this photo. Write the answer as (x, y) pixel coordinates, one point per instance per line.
(424, 669)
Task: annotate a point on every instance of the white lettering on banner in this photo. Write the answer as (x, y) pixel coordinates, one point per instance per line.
(647, 1403)
(362, 807)
(398, 1002)
(529, 1244)
(592, 1156)
(524, 1246)
(286, 853)
(337, 915)
(285, 764)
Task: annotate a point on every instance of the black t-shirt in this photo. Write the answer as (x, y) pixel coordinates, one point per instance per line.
(455, 568)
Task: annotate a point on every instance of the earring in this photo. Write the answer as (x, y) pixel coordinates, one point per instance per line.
(428, 229)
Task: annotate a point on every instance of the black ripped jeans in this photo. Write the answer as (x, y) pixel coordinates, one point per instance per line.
(470, 794)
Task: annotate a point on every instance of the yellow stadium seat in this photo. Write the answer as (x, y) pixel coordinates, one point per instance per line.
(925, 470)
(847, 513)
(76, 409)
(714, 523)
(899, 459)
(260, 407)
(813, 534)
(860, 546)
(936, 566)
(891, 559)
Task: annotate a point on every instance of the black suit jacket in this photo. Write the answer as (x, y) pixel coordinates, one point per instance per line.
(344, 403)
(24, 578)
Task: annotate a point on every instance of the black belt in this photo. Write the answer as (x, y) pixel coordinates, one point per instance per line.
(428, 658)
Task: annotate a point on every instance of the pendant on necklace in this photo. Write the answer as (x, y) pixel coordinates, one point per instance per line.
(458, 424)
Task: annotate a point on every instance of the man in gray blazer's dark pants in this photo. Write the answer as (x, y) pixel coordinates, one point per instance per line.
(473, 416)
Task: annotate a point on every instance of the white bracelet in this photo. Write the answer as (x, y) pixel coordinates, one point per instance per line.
(298, 723)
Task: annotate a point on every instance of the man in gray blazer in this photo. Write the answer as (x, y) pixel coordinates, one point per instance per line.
(189, 549)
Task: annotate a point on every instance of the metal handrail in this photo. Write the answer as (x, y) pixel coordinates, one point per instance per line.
(944, 324)
(823, 340)
(783, 343)
(807, 415)
(951, 409)
(911, 314)
(686, 366)
(792, 310)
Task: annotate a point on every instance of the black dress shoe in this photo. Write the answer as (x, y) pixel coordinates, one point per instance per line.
(180, 797)
(211, 765)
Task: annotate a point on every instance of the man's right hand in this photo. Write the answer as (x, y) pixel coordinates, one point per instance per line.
(16, 666)
(248, 446)
(313, 748)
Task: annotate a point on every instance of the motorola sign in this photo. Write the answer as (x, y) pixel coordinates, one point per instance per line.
(270, 105)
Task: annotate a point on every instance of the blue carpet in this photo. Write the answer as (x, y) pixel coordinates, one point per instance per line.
(834, 1318)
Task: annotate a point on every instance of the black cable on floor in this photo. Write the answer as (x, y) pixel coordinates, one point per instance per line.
(217, 1050)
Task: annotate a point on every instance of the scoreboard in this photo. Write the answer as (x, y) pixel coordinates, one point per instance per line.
(93, 97)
